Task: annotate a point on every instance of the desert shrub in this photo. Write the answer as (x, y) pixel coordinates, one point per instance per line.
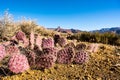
(27, 26)
(7, 25)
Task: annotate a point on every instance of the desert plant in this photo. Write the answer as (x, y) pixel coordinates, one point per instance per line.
(71, 44)
(80, 57)
(44, 61)
(56, 38)
(38, 41)
(47, 43)
(20, 35)
(65, 55)
(62, 41)
(2, 52)
(51, 51)
(27, 26)
(37, 50)
(10, 50)
(30, 56)
(93, 47)
(80, 46)
(32, 40)
(26, 42)
(8, 26)
(18, 63)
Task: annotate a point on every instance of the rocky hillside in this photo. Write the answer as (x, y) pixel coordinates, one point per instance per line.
(113, 29)
(59, 29)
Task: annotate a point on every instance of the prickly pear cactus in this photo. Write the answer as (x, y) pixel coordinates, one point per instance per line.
(47, 43)
(80, 57)
(80, 46)
(32, 40)
(30, 56)
(56, 38)
(51, 51)
(2, 52)
(62, 41)
(10, 50)
(65, 55)
(38, 41)
(44, 61)
(18, 63)
(20, 35)
(71, 44)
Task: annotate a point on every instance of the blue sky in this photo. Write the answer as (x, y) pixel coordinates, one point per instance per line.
(77, 14)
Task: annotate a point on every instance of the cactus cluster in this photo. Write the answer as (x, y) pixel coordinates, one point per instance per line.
(47, 43)
(18, 63)
(42, 53)
(2, 52)
(80, 57)
(65, 55)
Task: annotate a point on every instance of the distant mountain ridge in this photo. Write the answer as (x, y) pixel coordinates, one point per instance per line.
(112, 29)
(103, 30)
(59, 29)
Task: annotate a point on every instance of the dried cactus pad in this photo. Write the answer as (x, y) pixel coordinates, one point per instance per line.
(80, 46)
(62, 41)
(20, 35)
(56, 38)
(18, 63)
(65, 55)
(2, 52)
(71, 44)
(44, 61)
(47, 43)
(12, 50)
(80, 57)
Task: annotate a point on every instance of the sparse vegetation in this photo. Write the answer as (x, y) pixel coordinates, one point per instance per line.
(105, 38)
